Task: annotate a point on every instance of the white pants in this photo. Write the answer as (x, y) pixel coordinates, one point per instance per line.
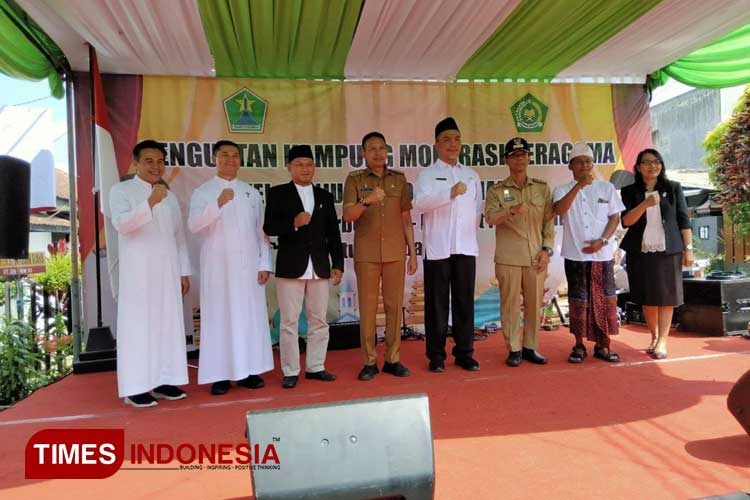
(290, 294)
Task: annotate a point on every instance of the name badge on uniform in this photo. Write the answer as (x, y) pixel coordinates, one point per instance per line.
(506, 195)
(366, 189)
(441, 178)
(602, 200)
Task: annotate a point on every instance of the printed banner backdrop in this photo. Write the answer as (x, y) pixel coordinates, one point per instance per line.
(267, 117)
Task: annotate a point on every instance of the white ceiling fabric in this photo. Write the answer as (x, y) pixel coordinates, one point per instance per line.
(421, 40)
(669, 31)
(163, 37)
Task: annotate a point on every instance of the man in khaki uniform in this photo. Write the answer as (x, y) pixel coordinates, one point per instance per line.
(377, 200)
(520, 208)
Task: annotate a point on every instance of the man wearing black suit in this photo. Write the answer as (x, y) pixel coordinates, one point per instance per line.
(304, 219)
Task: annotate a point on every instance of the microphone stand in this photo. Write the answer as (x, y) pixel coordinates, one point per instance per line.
(408, 332)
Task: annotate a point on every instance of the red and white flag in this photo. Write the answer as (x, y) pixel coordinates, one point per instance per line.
(106, 172)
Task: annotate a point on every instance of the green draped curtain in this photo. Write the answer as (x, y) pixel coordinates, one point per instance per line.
(289, 39)
(19, 57)
(542, 38)
(723, 63)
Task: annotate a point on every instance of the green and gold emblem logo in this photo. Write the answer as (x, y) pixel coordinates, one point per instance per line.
(529, 113)
(245, 112)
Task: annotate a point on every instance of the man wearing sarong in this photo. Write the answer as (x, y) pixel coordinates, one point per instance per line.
(591, 212)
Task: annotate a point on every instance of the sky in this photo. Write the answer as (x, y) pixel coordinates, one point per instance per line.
(669, 90)
(36, 95)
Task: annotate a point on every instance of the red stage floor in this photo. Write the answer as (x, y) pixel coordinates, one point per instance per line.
(641, 429)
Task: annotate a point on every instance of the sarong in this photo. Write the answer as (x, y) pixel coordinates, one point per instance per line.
(592, 300)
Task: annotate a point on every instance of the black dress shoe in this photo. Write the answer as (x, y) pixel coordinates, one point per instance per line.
(514, 358)
(220, 387)
(251, 382)
(437, 366)
(468, 363)
(396, 369)
(169, 392)
(290, 382)
(368, 372)
(143, 400)
(323, 375)
(533, 356)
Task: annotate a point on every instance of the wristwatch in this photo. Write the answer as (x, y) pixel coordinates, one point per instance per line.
(364, 203)
(689, 247)
(549, 251)
(605, 241)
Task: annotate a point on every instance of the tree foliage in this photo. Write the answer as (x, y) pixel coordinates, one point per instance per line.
(728, 158)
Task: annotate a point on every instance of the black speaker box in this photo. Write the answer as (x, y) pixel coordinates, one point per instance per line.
(15, 186)
(343, 336)
(715, 307)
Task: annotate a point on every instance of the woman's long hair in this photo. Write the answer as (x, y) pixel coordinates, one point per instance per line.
(661, 179)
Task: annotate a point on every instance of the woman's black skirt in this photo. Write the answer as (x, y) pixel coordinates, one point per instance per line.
(655, 278)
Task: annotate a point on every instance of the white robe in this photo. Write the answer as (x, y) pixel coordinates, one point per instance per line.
(235, 339)
(151, 347)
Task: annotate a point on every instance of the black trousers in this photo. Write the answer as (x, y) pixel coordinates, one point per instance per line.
(455, 276)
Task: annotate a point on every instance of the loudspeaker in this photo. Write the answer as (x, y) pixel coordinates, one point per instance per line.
(346, 450)
(715, 307)
(343, 336)
(15, 184)
(738, 401)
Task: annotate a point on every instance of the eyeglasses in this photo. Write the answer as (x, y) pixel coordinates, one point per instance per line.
(649, 163)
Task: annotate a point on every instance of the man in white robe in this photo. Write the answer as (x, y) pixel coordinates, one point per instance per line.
(235, 266)
(154, 270)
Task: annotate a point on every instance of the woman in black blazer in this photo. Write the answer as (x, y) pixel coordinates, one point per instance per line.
(658, 244)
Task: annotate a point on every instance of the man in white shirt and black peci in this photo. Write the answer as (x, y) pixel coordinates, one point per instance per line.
(450, 196)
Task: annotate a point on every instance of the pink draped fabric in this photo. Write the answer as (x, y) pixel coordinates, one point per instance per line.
(632, 121)
(418, 40)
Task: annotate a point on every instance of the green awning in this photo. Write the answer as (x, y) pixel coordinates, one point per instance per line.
(26, 52)
(288, 39)
(723, 63)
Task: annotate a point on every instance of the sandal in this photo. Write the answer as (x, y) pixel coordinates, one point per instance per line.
(605, 354)
(577, 355)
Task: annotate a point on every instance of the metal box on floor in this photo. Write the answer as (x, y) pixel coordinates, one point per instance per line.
(715, 307)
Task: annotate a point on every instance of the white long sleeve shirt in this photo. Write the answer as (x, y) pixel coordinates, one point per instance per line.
(450, 224)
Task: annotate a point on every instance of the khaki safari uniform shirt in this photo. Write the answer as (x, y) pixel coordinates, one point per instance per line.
(521, 238)
(378, 233)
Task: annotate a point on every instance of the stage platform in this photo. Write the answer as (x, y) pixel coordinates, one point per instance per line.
(640, 429)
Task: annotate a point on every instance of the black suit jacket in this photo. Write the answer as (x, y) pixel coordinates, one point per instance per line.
(319, 239)
(674, 216)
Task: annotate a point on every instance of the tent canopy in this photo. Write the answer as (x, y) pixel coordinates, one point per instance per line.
(618, 41)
